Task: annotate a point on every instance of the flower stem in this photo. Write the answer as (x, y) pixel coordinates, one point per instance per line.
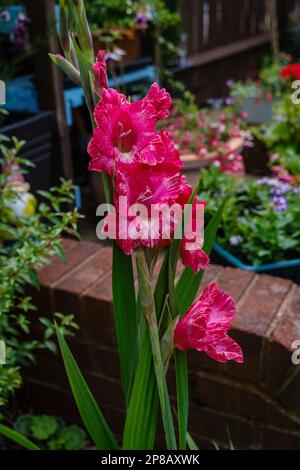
(148, 309)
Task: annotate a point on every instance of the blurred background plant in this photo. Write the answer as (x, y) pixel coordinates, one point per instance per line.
(50, 432)
(282, 135)
(268, 83)
(16, 48)
(260, 222)
(30, 233)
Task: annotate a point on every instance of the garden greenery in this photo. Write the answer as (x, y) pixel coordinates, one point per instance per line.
(50, 432)
(162, 321)
(27, 241)
(260, 222)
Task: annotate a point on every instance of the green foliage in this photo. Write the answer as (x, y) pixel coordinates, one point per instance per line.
(196, 130)
(282, 135)
(268, 82)
(265, 235)
(51, 432)
(26, 244)
(110, 18)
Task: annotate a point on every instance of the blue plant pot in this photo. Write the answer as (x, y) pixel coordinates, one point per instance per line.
(287, 269)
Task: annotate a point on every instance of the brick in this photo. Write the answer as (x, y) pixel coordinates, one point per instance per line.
(277, 366)
(290, 393)
(261, 304)
(115, 417)
(288, 329)
(51, 373)
(97, 313)
(256, 311)
(234, 281)
(75, 253)
(279, 439)
(258, 401)
(222, 427)
(210, 275)
(50, 400)
(94, 358)
(239, 399)
(68, 290)
(277, 359)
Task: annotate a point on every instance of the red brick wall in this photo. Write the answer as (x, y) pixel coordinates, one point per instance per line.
(257, 403)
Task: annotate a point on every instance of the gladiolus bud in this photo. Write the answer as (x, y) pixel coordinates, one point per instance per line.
(82, 28)
(100, 73)
(66, 67)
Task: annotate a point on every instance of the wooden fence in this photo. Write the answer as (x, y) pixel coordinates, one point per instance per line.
(225, 39)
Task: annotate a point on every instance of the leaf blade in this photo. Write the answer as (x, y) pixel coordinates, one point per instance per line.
(125, 314)
(141, 419)
(86, 404)
(15, 436)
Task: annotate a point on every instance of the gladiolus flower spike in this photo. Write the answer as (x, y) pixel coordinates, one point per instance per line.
(143, 164)
(205, 325)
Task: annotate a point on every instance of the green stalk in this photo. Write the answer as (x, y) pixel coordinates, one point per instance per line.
(148, 309)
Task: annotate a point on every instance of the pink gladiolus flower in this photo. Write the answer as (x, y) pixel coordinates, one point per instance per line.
(156, 187)
(205, 325)
(145, 167)
(100, 73)
(191, 247)
(160, 99)
(195, 258)
(126, 132)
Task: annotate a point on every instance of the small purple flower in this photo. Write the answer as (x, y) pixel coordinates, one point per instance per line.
(279, 201)
(281, 208)
(228, 101)
(278, 190)
(230, 83)
(5, 15)
(236, 240)
(280, 204)
(280, 118)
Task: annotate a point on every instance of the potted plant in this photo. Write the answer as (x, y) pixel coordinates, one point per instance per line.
(117, 24)
(207, 136)
(281, 135)
(24, 119)
(255, 98)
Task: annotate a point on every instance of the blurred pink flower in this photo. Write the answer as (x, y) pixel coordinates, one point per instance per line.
(100, 73)
(205, 325)
(283, 175)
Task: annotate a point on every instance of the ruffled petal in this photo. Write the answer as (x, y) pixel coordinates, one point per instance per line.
(196, 259)
(160, 99)
(226, 349)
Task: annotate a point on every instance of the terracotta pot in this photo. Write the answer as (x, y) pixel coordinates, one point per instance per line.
(193, 163)
(130, 42)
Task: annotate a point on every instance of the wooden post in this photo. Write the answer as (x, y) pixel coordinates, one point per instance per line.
(271, 6)
(49, 78)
